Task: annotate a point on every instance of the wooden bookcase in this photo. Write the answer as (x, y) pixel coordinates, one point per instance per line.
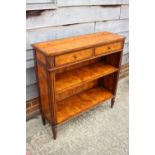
(76, 74)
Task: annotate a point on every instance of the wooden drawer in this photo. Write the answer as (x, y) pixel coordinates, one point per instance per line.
(73, 57)
(109, 47)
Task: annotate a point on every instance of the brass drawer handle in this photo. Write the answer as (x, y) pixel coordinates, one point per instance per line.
(109, 48)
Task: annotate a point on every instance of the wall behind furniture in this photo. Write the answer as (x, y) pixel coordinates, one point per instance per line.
(54, 19)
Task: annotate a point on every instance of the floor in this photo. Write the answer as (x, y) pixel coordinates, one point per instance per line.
(101, 131)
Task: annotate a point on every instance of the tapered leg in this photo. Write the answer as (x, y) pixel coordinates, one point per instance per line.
(43, 119)
(54, 130)
(112, 102)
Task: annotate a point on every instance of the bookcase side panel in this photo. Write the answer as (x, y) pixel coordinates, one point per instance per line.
(43, 89)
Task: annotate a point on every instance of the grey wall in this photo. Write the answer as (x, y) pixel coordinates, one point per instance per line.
(72, 18)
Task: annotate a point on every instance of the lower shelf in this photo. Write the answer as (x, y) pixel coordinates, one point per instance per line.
(79, 103)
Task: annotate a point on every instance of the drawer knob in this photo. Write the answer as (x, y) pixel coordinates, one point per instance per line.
(75, 56)
(109, 48)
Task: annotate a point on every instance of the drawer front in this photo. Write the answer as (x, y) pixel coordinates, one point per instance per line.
(109, 47)
(73, 57)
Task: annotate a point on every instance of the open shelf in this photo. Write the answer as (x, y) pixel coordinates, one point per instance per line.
(81, 102)
(77, 77)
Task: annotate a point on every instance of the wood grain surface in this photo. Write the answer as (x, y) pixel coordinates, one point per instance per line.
(43, 85)
(73, 57)
(70, 92)
(76, 74)
(77, 77)
(109, 47)
(81, 102)
(66, 45)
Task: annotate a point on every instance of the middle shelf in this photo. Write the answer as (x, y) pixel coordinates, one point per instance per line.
(74, 78)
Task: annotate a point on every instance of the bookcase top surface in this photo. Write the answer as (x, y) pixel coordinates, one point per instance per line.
(61, 46)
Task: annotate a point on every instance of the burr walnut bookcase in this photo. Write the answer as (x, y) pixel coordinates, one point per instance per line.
(76, 74)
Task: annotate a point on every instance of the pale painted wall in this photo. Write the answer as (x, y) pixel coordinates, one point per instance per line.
(72, 18)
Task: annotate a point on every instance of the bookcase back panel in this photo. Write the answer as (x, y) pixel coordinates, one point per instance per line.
(108, 82)
(113, 59)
